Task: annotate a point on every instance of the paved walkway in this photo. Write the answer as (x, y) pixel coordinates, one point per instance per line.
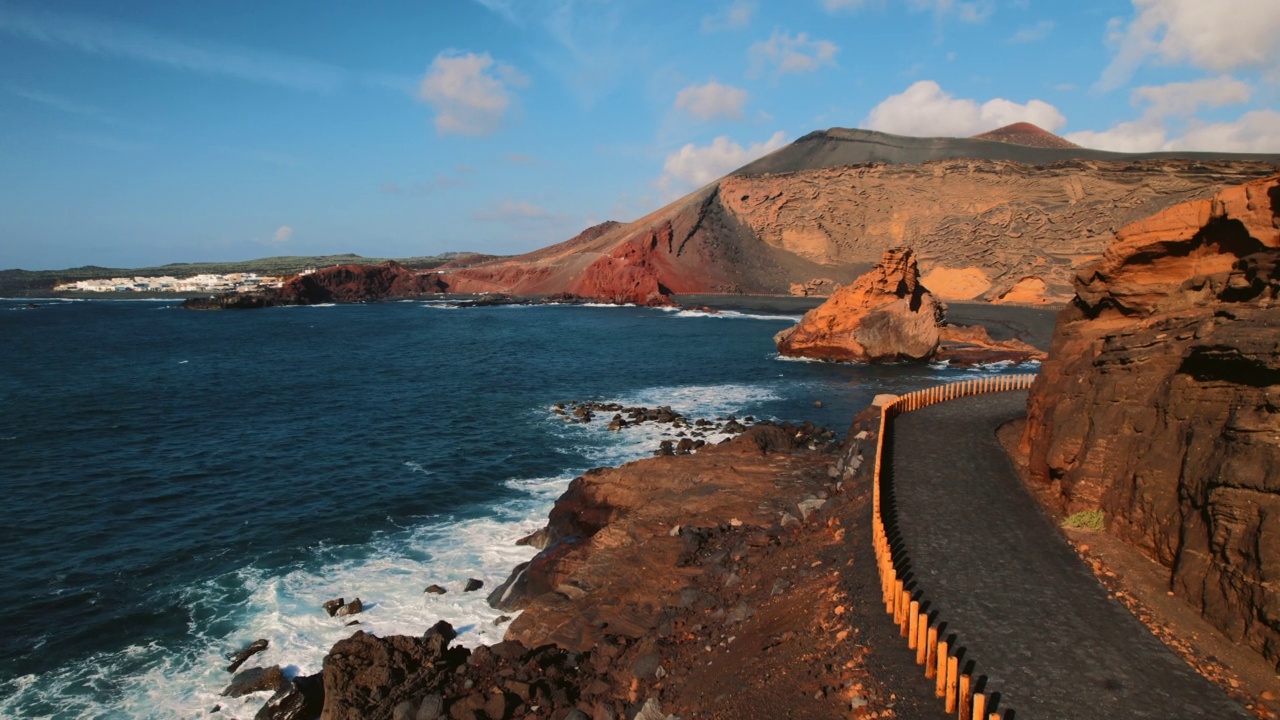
(1026, 609)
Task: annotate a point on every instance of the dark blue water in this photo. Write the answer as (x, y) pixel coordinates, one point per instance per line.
(177, 483)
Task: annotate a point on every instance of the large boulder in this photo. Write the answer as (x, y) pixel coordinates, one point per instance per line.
(1160, 403)
(886, 315)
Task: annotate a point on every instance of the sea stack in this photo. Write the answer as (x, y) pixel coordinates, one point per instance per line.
(886, 315)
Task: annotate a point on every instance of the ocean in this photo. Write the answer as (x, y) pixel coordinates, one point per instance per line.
(177, 483)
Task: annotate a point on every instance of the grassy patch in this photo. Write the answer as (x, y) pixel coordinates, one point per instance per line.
(1085, 520)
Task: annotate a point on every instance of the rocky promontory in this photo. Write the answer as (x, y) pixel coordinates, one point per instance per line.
(1160, 403)
(887, 315)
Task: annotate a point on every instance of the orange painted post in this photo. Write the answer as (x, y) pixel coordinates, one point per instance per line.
(897, 600)
(913, 624)
(964, 699)
(953, 684)
(922, 644)
(979, 707)
(931, 653)
(994, 716)
(905, 622)
(941, 675)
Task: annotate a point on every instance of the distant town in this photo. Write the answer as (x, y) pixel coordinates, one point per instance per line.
(204, 283)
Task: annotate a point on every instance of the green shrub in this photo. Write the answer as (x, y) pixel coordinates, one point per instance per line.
(1085, 520)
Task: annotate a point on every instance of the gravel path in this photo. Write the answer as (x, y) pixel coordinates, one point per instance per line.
(1026, 609)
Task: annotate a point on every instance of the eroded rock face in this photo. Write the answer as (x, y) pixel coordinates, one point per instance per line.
(1160, 403)
(885, 316)
(998, 219)
(354, 283)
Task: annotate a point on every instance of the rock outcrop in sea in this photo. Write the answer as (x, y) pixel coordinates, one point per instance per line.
(888, 315)
(1160, 403)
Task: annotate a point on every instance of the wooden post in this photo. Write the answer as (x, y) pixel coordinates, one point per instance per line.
(964, 698)
(922, 644)
(953, 684)
(913, 625)
(905, 622)
(941, 675)
(897, 599)
(979, 706)
(931, 654)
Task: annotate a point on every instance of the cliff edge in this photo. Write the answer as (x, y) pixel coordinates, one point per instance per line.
(1160, 403)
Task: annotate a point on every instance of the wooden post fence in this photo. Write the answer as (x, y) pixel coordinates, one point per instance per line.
(932, 652)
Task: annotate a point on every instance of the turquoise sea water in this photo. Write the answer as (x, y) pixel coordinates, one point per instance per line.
(179, 483)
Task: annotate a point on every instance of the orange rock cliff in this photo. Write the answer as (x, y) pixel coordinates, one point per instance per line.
(1160, 403)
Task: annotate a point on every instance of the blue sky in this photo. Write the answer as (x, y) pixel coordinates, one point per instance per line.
(137, 133)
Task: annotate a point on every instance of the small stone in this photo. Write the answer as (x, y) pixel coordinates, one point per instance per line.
(857, 702)
(472, 585)
(502, 619)
(817, 403)
(332, 606)
(435, 590)
(353, 622)
(432, 707)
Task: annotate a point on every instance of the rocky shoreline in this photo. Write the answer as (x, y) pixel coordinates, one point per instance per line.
(705, 584)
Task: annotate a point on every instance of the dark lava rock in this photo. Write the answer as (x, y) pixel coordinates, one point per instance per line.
(249, 651)
(333, 605)
(255, 679)
(301, 699)
(351, 608)
(472, 585)
(435, 590)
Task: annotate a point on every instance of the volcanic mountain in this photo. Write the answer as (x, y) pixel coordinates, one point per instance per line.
(1003, 217)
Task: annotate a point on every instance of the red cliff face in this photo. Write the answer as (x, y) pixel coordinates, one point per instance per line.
(1160, 403)
(355, 283)
(884, 316)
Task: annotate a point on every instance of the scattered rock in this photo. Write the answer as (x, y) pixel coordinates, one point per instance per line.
(537, 539)
(351, 608)
(300, 699)
(255, 680)
(472, 585)
(333, 605)
(435, 589)
(249, 651)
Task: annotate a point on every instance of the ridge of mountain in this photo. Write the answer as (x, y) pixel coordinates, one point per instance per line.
(989, 220)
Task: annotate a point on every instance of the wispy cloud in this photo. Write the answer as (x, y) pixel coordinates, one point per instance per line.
(98, 36)
(1032, 33)
(788, 53)
(734, 16)
(517, 212)
(65, 105)
(711, 101)
(516, 158)
(283, 234)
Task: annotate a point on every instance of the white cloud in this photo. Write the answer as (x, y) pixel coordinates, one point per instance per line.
(1254, 132)
(713, 100)
(1185, 98)
(692, 166)
(469, 93)
(734, 16)
(1032, 33)
(792, 53)
(283, 234)
(1218, 36)
(105, 37)
(1172, 102)
(1135, 136)
(925, 110)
